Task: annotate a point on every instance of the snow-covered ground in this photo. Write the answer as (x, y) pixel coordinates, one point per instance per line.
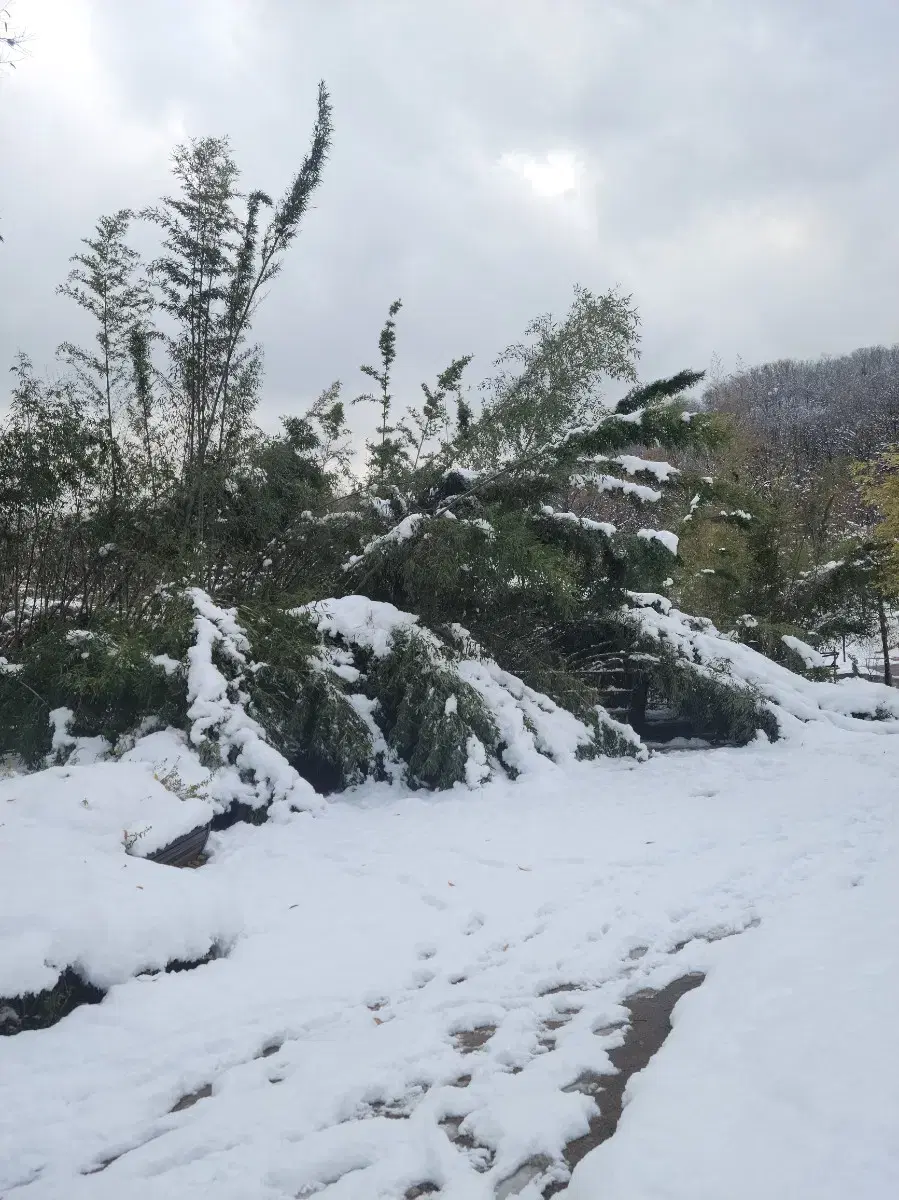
(411, 985)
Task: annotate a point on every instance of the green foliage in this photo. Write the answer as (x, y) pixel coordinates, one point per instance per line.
(48, 447)
(457, 569)
(714, 704)
(106, 675)
(551, 382)
(302, 705)
(103, 283)
(388, 454)
(428, 713)
(529, 520)
(322, 436)
(661, 389)
(490, 544)
(420, 427)
(767, 554)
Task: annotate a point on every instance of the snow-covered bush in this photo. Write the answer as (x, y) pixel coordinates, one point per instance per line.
(248, 771)
(298, 693)
(762, 694)
(441, 709)
(493, 595)
(111, 678)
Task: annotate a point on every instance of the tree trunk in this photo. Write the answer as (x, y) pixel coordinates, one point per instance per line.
(884, 641)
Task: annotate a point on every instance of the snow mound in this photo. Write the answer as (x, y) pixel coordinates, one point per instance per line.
(76, 889)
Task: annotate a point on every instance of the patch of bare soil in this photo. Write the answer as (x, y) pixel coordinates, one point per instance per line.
(649, 1026)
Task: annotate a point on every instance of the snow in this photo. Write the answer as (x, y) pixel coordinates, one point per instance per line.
(807, 653)
(370, 624)
(253, 772)
(668, 540)
(757, 1094)
(533, 727)
(363, 942)
(478, 523)
(633, 464)
(611, 483)
(168, 664)
(332, 517)
(604, 527)
(399, 533)
(72, 894)
(848, 703)
(464, 473)
(171, 758)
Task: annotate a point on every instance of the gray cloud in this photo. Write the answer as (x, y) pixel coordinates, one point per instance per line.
(735, 167)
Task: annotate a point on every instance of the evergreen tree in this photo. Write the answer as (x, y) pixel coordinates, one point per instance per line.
(105, 283)
(493, 549)
(761, 545)
(210, 278)
(388, 451)
(422, 426)
(551, 382)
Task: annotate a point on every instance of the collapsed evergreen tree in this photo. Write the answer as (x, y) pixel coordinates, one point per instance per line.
(504, 529)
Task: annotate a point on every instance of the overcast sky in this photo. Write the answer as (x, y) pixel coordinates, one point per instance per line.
(733, 164)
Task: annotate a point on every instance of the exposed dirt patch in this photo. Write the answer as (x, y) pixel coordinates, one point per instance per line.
(649, 1026)
(192, 1098)
(555, 1023)
(561, 988)
(587, 1084)
(469, 1040)
(421, 1189)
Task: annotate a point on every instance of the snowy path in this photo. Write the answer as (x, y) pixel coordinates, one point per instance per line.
(417, 982)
